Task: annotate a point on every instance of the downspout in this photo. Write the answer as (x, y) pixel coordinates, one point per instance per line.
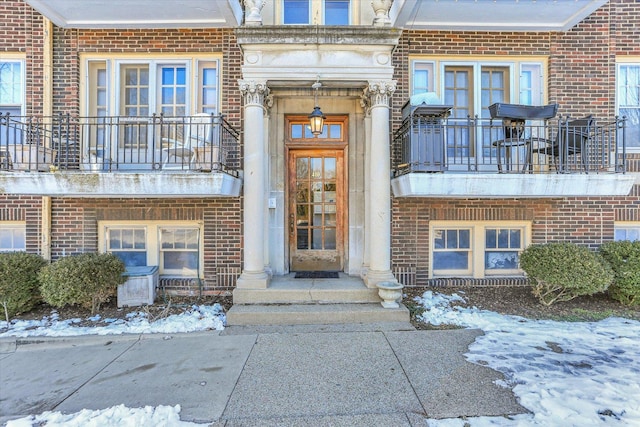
(47, 111)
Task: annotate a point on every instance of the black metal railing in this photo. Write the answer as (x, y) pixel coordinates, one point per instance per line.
(559, 145)
(203, 142)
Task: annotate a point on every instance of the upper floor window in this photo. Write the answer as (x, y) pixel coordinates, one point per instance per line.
(12, 236)
(628, 96)
(325, 12)
(472, 86)
(173, 87)
(11, 87)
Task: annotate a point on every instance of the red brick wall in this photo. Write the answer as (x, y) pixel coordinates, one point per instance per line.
(75, 222)
(72, 42)
(581, 80)
(585, 221)
(27, 209)
(21, 31)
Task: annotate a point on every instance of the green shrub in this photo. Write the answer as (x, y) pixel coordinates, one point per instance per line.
(624, 258)
(563, 271)
(86, 280)
(19, 281)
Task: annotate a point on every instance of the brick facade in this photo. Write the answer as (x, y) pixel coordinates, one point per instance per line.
(581, 61)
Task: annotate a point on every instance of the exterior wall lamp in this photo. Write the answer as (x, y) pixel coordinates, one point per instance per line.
(316, 118)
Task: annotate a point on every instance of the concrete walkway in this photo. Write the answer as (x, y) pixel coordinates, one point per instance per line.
(347, 375)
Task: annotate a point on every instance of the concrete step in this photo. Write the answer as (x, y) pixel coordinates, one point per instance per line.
(288, 290)
(320, 293)
(314, 314)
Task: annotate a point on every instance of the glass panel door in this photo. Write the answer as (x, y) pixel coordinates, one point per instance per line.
(315, 210)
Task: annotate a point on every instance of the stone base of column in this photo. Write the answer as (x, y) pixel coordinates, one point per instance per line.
(253, 280)
(374, 277)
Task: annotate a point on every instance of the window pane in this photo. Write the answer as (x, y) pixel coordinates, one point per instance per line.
(10, 83)
(132, 259)
(451, 260)
(336, 12)
(452, 239)
(464, 239)
(178, 260)
(490, 238)
(503, 238)
(296, 11)
(515, 239)
(501, 260)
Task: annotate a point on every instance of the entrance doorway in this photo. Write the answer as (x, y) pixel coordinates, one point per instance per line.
(316, 209)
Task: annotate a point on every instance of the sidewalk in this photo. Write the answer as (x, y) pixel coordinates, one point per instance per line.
(243, 377)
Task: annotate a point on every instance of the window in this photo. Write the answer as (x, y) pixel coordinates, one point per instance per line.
(332, 131)
(470, 87)
(173, 246)
(173, 87)
(128, 244)
(627, 231)
(477, 249)
(11, 87)
(12, 236)
(179, 250)
(336, 12)
(628, 96)
(303, 12)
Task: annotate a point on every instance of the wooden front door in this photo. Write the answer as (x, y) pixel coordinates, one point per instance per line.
(316, 209)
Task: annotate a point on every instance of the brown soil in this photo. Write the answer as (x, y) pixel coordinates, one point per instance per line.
(505, 300)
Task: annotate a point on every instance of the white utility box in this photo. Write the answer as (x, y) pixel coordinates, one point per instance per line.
(140, 287)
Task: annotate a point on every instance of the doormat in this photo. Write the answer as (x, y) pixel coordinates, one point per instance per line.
(317, 275)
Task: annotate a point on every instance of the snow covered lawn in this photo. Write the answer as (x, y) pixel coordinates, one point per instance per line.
(566, 374)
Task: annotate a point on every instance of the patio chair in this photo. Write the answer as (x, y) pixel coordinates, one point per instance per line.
(181, 154)
(572, 139)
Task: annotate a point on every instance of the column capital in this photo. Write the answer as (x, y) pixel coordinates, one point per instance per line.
(379, 92)
(252, 12)
(254, 92)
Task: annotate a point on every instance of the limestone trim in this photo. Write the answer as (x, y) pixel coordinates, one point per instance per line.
(255, 93)
(379, 92)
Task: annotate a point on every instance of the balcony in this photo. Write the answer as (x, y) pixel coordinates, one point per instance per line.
(435, 156)
(119, 156)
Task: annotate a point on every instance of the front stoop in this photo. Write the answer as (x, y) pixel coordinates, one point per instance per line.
(314, 314)
(289, 301)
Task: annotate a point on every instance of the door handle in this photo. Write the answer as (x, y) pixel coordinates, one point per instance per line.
(291, 223)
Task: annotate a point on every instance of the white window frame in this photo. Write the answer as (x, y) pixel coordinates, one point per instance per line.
(193, 65)
(515, 67)
(627, 62)
(154, 251)
(8, 58)
(316, 13)
(476, 268)
(20, 226)
(626, 226)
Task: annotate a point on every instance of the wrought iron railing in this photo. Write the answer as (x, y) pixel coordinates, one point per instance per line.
(117, 143)
(559, 145)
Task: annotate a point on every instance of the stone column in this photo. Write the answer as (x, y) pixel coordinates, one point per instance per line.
(379, 231)
(366, 106)
(253, 274)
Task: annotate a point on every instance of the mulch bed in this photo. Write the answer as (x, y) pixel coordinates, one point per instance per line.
(516, 300)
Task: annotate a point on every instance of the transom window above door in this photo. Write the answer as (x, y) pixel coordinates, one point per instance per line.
(299, 130)
(316, 12)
